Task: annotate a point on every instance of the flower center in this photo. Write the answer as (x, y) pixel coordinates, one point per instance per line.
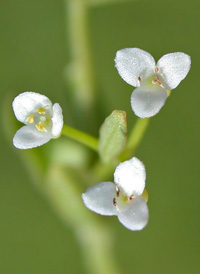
(39, 119)
(157, 81)
(121, 201)
(149, 78)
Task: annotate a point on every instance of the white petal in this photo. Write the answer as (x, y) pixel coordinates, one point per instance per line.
(146, 101)
(29, 137)
(99, 198)
(57, 120)
(130, 177)
(25, 103)
(136, 216)
(173, 68)
(132, 62)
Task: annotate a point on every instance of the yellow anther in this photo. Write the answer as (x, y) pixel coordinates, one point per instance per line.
(40, 127)
(41, 110)
(30, 119)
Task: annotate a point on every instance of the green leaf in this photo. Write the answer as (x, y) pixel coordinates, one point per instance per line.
(113, 134)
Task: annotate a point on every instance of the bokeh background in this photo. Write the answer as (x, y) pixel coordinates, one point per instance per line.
(35, 50)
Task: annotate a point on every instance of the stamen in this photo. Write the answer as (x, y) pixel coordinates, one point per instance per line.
(131, 197)
(40, 127)
(156, 70)
(41, 110)
(157, 81)
(117, 191)
(30, 119)
(154, 82)
(114, 202)
(139, 79)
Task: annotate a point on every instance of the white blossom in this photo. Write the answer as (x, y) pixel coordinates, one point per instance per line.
(153, 82)
(122, 198)
(42, 120)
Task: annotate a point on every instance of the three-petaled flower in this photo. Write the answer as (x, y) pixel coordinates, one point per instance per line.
(153, 81)
(122, 198)
(42, 120)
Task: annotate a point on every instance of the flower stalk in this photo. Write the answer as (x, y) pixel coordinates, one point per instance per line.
(80, 137)
(81, 67)
(95, 239)
(135, 138)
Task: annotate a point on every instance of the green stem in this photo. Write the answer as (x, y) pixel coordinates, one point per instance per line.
(135, 138)
(95, 238)
(82, 70)
(104, 2)
(80, 137)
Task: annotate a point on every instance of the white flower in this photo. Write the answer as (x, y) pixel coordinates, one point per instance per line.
(153, 81)
(42, 120)
(122, 198)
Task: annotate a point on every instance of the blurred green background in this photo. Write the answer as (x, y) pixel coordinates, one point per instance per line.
(35, 50)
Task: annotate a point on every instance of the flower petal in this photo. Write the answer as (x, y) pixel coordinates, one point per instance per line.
(99, 198)
(146, 101)
(57, 120)
(29, 137)
(27, 102)
(130, 177)
(173, 68)
(136, 216)
(131, 63)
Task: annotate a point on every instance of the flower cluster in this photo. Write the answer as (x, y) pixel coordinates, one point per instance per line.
(42, 120)
(153, 81)
(122, 198)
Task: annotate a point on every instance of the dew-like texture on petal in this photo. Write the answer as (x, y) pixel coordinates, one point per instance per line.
(136, 216)
(99, 198)
(29, 137)
(131, 63)
(146, 101)
(27, 102)
(173, 68)
(130, 177)
(57, 120)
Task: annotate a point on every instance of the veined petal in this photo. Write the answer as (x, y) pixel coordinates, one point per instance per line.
(136, 216)
(146, 101)
(130, 177)
(131, 63)
(27, 102)
(173, 68)
(57, 120)
(29, 137)
(99, 198)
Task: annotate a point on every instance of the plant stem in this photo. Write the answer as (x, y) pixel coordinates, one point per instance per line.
(104, 2)
(80, 137)
(135, 138)
(82, 70)
(95, 238)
